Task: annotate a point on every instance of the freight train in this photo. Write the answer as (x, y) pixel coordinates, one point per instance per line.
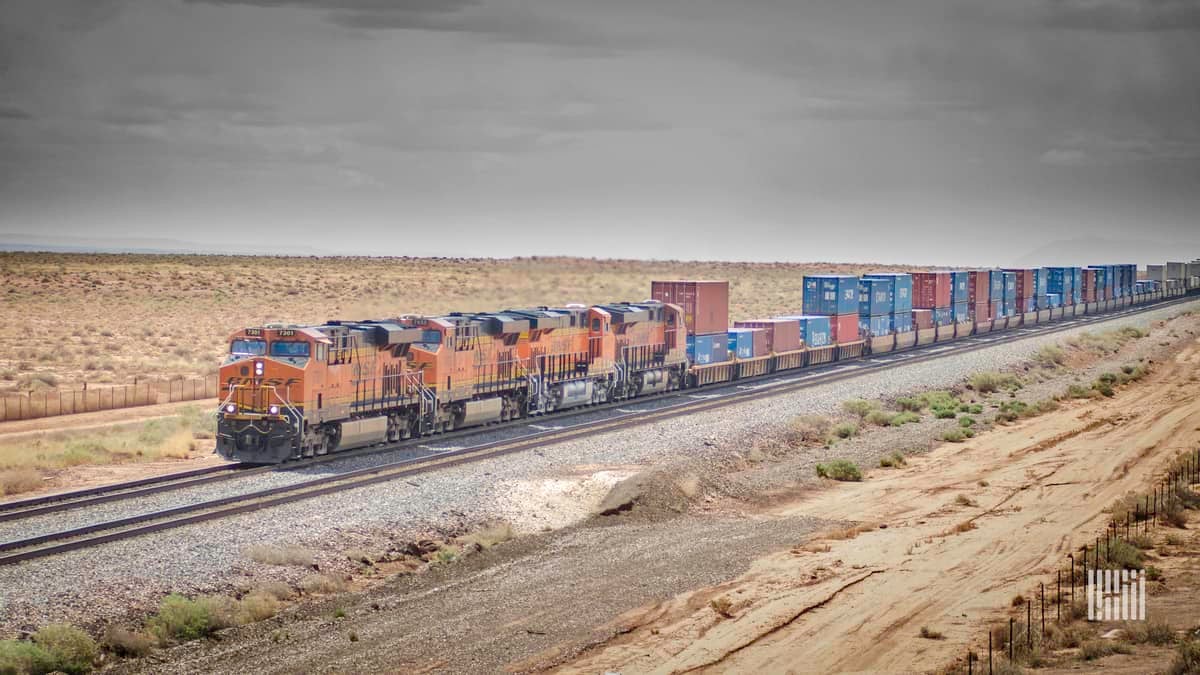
(292, 392)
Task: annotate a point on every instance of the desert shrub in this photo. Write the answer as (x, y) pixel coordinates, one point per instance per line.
(972, 408)
(839, 469)
(1174, 515)
(896, 459)
(879, 418)
(963, 500)
(860, 407)
(322, 583)
(180, 618)
(1050, 356)
(1187, 659)
(954, 435)
(807, 430)
(721, 606)
(1154, 632)
(902, 418)
(931, 634)
(71, 650)
(1097, 649)
(1153, 573)
(910, 403)
(965, 422)
(19, 656)
(280, 555)
(1080, 391)
(846, 430)
(16, 481)
(988, 382)
(256, 607)
(489, 535)
(1142, 541)
(945, 413)
(124, 642)
(1120, 554)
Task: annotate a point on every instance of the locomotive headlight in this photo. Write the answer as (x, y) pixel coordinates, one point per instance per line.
(258, 368)
(274, 410)
(231, 408)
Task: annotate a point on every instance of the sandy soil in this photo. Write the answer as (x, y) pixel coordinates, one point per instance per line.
(101, 418)
(859, 606)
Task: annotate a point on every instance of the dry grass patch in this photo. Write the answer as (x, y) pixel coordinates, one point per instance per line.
(16, 481)
(488, 535)
(168, 437)
(931, 634)
(322, 584)
(280, 555)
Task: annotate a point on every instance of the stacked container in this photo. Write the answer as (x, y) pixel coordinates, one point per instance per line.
(933, 291)
(1060, 284)
(748, 343)
(1101, 273)
(1026, 290)
(835, 296)
(1009, 299)
(814, 330)
(901, 293)
(875, 306)
(705, 315)
(979, 285)
(1175, 271)
(1076, 285)
(1090, 276)
(780, 335)
(960, 297)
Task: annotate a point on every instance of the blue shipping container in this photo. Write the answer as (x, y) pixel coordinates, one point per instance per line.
(1040, 282)
(831, 294)
(1053, 301)
(903, 322)
(901, 290)
(705, 349)
(996, 292)
(961, 312)
(741, 342)
(943, 316)
(875, 297)
(960, 286)
(1060, 282)
(875, 325)
(814, 330)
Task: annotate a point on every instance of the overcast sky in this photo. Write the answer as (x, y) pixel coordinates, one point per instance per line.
(888, 130)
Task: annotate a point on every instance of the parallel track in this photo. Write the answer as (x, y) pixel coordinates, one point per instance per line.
(765, 387)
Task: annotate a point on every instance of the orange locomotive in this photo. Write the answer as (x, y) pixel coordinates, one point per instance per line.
(296, 392)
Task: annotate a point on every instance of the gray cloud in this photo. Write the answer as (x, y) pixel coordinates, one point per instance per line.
(1124, 15)
(8, 112)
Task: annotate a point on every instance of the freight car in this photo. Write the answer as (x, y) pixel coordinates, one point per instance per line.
(302, 391)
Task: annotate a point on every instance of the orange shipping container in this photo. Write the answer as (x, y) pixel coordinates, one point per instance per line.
(705, 303)
(783, 335)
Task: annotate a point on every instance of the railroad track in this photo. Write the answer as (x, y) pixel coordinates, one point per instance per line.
(737, 393)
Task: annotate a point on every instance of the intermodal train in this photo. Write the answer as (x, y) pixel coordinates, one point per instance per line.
(291, 392)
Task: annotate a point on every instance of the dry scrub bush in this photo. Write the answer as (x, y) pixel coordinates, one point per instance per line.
(721, 606)
(16, 481)
(124, 642)
(931, 634)
(322, 583)
(489, 535)
(280, 555)
(807, 430)
(839, 469)
(1187, 659)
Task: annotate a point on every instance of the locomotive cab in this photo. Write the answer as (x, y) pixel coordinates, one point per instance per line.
(261, 414)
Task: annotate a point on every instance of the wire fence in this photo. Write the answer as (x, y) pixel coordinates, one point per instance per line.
(1019, 643)
(53, 403)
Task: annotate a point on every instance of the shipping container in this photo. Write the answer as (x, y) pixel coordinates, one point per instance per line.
(981, 311)
(1076, 285)
(943, 316)
(960, 287)
(931, 289)
(1053, 300)
(960, 312)
(1175, 271)
(706, 349)
(1089, 276)
(874, 326)
(844, 328)
(1026, 283)
(1060, 283)
(831, 295)
(782, 335)
(815, 330)
(705, 303)
(979, 284)
(996, 294)
(903, 323)
(875, 296)
(901, 290)
(741, 341)
(922, 318)
(1041, 281)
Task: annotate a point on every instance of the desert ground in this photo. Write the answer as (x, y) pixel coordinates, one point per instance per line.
(108, 319)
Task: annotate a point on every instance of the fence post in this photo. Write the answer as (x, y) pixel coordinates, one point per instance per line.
(1029, 625)
(1011, 636)
(989, 651)
(1058, 597)
(1043, 610)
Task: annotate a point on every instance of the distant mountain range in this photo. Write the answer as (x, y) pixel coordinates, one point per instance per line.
(1097, 251)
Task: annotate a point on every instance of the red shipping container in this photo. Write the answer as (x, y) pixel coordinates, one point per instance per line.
(761, 346)
(982, 312)
(1089, 285)
(931, 289)
(922, 319)
(705, 303)
(979, 286)
(782, 335)
(1025, 285)
(843, 328)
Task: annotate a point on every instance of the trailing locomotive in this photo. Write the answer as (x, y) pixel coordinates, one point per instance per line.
(302, 391)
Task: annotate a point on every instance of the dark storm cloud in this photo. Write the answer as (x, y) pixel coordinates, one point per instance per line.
(1125, 15)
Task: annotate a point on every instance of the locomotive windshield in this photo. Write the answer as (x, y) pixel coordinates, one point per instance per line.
(289, 348)
(248, 347)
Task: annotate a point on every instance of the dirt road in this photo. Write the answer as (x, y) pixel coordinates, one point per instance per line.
(1031, 492)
